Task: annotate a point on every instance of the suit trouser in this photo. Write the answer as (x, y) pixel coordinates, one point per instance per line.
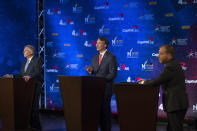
(105, 113)
(35, 119)
(175, 120)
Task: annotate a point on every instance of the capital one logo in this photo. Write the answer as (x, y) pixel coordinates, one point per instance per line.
(148, 41)
(54, 69)
(77, 9)
(147, 66)
(182, 2)
(104, 30)
(104, 6)
(120, 17)
(134, 28)
(117, 42)
(193, 1)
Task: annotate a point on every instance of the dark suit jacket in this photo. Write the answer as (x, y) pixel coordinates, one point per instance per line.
(173, 84)
(107, 68)
(34, 69)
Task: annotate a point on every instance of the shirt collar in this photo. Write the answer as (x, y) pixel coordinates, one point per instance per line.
(29, 59)
(103, 52)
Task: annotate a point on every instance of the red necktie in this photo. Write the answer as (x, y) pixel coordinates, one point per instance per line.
(100, 58)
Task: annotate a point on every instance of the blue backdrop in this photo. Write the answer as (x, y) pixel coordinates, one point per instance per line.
(135, 29)
(17, 28)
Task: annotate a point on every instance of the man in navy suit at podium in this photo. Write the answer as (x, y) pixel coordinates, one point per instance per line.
(172, 79)
(32, 69)
(104, 64)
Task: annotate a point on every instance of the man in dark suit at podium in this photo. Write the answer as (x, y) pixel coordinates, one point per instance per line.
(104, 64)
(32, 69)
(174, 97)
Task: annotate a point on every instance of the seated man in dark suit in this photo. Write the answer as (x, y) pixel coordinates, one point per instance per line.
(174, 97)
(32, 69)
(104, 64)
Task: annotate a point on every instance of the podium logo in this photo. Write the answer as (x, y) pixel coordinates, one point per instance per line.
(118, 18)
(134, 28)
(77, 9)
(149, 41)
(132, 54)
(131, 5)
(147, 66)
(54, 69)
(79, 33)
(195, 108)
(102, 7)
(104, 31)
(117, 42)
(182, 2)
(90, 20)
(56, 11)
(146, 17)
(123, 67)
(160, 28)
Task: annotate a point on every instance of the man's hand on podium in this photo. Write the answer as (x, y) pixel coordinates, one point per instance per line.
(141, 81)
(26, 78)
(8, 76)
(89, 69)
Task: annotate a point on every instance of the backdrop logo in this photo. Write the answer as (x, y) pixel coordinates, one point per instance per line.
(133, 28)
(55, 11)
(79, 55)
(117, 42)
(191, 81)
(130, 80)
(102, 7)
(77, 9)
(132, 54)
(178, 41)
(160, 28)
(104, 31)
(123, 67)
(58, 54)
(54, 69)
(182, 2)
(118, 18)
(147, 66)
(131, 5)
(79, 33)
(55, 34)
(155, 54)
(183, 65)
(87, 44)
(192, 54)
(195, 108)
(185, 27)
(66, 22)
(71, 66)
(146, 17)
(53, 88)
(89, 20)
(152, 3)
(169, 14)
(193, 1)
(149, 41)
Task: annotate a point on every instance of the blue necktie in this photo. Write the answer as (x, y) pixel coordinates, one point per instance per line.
(26, 65)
